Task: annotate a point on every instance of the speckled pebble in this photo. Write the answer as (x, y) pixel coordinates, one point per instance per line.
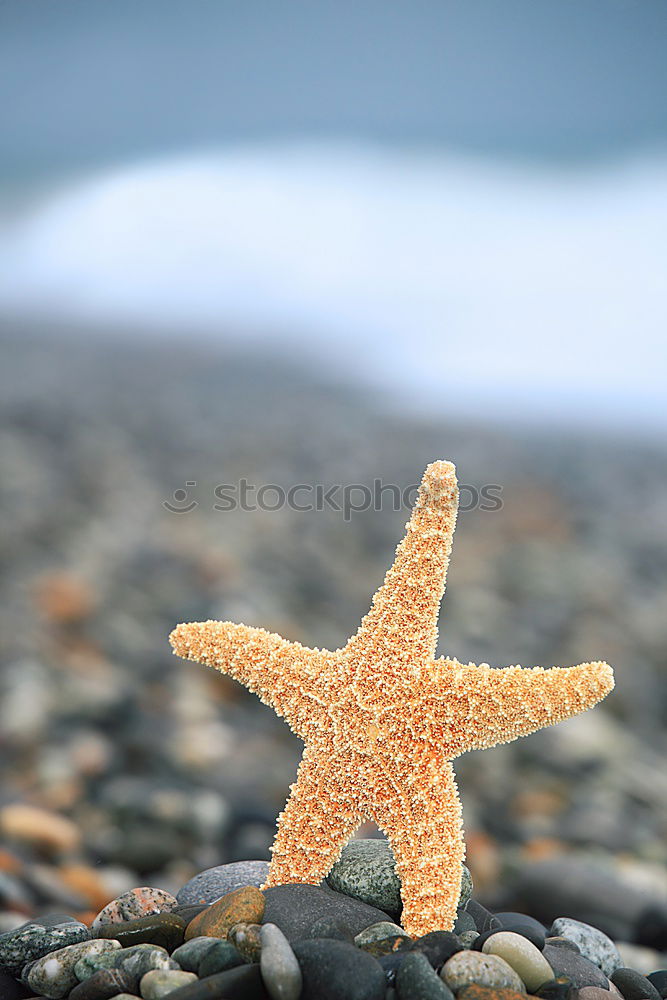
(53, 975)
(379, 931)
(244, 905)
(213, 883)
(590, 993)
(136, 903)
(526, 960)
(558, 989)
(104, 984)
(474, 967)
(134, 962)
(161, 982)
(633, 985)
(416, 979)
(474, 991)
(579, 970)
(280, 970)
(468, 938)
(190, 954)
(592, 943)
(39, 937)
(332, 970)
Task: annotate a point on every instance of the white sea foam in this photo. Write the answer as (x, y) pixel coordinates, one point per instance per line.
(466, 284)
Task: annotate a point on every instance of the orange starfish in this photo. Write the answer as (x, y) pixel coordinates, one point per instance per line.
(382, 719)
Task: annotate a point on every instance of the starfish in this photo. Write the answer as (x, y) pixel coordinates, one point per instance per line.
(382, 719)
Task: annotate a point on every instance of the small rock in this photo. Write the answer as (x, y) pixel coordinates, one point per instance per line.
(160, 983)
(474, 991)
(659, 980)
(633, 985)
(41, 827)
(592, 943)
(590, 993)
(438, 946)
(391, 964)
(468, 938)
(474, 967)
(134, 962)
(636, 956)
(213, 883)
(558, 989)
(245, 938)
(221, 957)
(245, 905)
(105, 983)
(38, 937)
(416, 979)
(579, 970)
(380, 931)
(133, 905)
(522, 924)
(280, 969)
(526, 960)
(190, 954)
(484, 919)
(330, 927)
(464, 922)
(163, 929)
(561, 942)
(242, 983)
(334, 969)
(295, 908)
(53, 974)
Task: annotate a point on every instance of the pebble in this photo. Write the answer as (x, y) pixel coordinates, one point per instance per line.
(380, 931)
(437, 946)
(391, 964)
(134, 962)
(105, 983)
(633, 985)
(10, 989)
(464, 922)
(164, 929)
(132, 905)
(468, 938)
(190, 954)
(590, 993)
(41, 827)
(334, 969)
(244, 905)
(578, 969)
(558, 989)
(242, 983)
(659, 980)
(561, 942)
(366, 870)
(221, 957)
(330, 927)
(38, 937)
(280, 969)
(522, 924)
(474, 967)
(245, 938)
(416, 979)
(213, 883)
(160, 983)
(484, 919)
(592, 943)
(295, 908)
(53, 974)
(636, 956)
(522, 955)
(475, 991)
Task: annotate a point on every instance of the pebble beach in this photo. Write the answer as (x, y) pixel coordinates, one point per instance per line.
(138, 793)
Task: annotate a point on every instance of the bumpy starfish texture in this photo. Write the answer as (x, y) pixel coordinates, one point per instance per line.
(382, 718)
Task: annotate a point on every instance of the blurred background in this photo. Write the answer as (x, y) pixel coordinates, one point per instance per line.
(325, 244)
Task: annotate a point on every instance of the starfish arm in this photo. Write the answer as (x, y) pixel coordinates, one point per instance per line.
(422, 822)
(285, 675)
(318, 820)
(403, 620)
(499, 705)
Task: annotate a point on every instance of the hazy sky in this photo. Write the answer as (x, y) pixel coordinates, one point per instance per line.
(92, 80)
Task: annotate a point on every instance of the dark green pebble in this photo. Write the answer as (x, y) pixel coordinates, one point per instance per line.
(332, 970)
(221, 957)
(555, 989)
(659, 980)
(634, 986)
(164, 929)
(528, 927)
(578, 969)
(562, 942)
(103, 985)
(438, 946)
(242, 983)
(189, 912)
(484, 919)
(416, 979)
(329, 927)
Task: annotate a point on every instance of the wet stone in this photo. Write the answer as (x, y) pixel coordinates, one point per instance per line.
(383, 930)
(221, 957)
(295, 908)
(161, 982)
(659, 980)
(438, 946)
(484, 919)
(242, 983)
(39, 937)
(134, 962)
(334, 969)
(592, 943)
(135, 904)
(190, 955)
(474, 967)
(416, 979)
(210, 885)
(578, 969)
(526, 960)
(329, 927)
(245, 905)
(53, 975)
(476, 992)
(468, 938)
(557, 989)
(633, 985)
(164, 929)
(590, 993)
(562, 942)
(280, 970)
(464, 922)
(522, 924)
(104, 984)
(246, 939)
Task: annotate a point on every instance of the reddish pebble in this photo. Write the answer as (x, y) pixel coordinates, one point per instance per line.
(244, 905)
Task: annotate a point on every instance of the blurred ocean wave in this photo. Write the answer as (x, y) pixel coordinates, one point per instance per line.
(452, 284)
